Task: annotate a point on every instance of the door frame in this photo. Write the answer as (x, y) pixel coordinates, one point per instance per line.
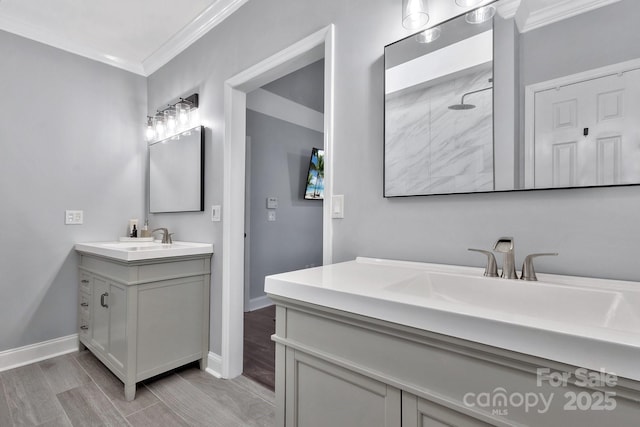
(308, 50)
(529, 106)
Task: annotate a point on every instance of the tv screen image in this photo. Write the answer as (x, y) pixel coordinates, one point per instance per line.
(314, 189)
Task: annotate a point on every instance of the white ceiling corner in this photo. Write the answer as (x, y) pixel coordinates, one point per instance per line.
(139, 36)
(212, 16)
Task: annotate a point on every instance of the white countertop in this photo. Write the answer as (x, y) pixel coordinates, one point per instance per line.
(138, 251)
(585, 322)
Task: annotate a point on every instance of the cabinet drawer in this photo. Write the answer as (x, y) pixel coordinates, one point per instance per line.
(85, 321)
(84, 300)
(85, 283)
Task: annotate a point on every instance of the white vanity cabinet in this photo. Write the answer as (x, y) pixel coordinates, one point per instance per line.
(141, 318)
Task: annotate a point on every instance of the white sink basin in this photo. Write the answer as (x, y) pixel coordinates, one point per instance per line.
(136, 251)
(585, 322)
(521, 299)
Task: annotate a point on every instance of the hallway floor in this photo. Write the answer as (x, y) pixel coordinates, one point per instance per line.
(259, 350)
(77, 390)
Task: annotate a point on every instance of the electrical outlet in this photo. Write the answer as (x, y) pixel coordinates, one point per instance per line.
(73, 217)
(271, 215)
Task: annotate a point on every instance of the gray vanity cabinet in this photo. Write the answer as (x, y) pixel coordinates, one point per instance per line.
(335, 368)
(142, 318)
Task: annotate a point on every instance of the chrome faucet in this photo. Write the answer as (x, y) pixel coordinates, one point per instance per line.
(504, 245)
(166, 236)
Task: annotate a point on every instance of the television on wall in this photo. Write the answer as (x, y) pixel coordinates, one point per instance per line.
(314, 188)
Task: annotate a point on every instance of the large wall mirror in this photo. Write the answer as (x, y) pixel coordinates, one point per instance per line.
(516, 102)
(176, 173)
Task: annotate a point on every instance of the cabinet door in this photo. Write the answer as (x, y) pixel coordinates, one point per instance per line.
(321, 394)
(117, 302)
(418, 412)
(100, 315)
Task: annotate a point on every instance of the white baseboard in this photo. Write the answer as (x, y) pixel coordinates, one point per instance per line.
(214, 365)
(260, 302)
(28, 354)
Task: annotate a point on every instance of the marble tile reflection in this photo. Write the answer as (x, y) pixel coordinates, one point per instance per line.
(430, 148)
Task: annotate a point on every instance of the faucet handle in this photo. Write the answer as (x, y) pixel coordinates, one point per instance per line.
(169, 239)
(491, 270)
(528, 272)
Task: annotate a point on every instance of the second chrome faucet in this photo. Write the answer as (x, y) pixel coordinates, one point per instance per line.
(505, 245)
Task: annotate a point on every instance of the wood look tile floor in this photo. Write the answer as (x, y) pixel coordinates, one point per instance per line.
(259, 349)
(78, 390)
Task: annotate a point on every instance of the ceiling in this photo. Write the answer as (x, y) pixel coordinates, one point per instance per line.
(137, 35)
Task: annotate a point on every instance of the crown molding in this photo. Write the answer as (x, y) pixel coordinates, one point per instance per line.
(528, 19)
(212, 16)
(37, 34)
(507, 8)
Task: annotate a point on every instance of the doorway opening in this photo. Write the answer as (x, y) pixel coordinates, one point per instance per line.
(309, 50)
(283, 200)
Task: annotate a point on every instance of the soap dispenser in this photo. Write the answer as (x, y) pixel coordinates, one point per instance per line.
(134, 231)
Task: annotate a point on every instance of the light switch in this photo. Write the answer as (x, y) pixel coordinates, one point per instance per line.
(215, 213)
(272, 203)
(337, 206)
(73, 217)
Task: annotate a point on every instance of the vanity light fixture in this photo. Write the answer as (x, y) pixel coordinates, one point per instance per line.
(430, 35)
(173, 119)
(414, 14)
(480, 15)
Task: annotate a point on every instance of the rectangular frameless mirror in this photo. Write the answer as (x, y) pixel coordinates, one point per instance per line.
(500, 106)
(176, 173)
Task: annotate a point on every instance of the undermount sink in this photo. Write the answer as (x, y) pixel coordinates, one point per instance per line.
(136, 251)
(586, 322)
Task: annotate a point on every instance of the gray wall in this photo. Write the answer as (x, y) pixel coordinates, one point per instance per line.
(71, 137)
(280, 153)
(604, 36)
(596, 230)
(304, 86)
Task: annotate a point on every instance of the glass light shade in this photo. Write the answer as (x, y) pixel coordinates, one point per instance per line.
(159, 125)
(480, 15)
(414, 14)
(468, 3)
(182, 113)
(151, 133)
(170, 119)
(428, 36)
(194, 117)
